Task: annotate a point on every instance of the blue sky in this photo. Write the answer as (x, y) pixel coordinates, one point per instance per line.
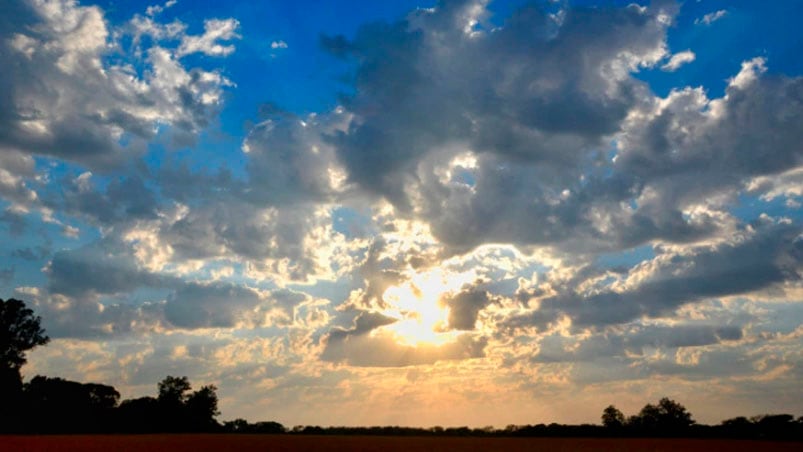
(452, 213)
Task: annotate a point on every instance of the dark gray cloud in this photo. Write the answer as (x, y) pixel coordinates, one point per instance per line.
(432, 80)
(31, 253)
(106, 267)
(289, 162)
(502, 94)
(765, 255)
(269, 240)
(692, 147)
(465, 305)
(123, 200)
(541, 105)
(216, 305)
(85, 317)
(630, 342)
(364, 323)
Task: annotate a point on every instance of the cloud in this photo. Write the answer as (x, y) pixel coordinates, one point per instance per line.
(214, 30)
(123, 200)
(63, 98)
(506, 93)
(577, 230)
(631, 342)
(788, 184)
(767, 254)
(710, 18)
(289, 160)
(84, 316)
(686, 134)
(356, 347)
(157, 9)
(6, 275)
(105, 267)
(216, 305)
(677, 60)
(465, 305)
(31, 254)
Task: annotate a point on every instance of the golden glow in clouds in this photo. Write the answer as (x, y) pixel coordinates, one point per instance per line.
(423, 319)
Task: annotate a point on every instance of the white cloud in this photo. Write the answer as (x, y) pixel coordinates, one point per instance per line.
(94, 112)
(677, 60)
(710, 18)
(749, 73)
(278, 45)
(214, 30)
(156, 9)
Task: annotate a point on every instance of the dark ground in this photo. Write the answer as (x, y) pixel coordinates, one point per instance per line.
(216, 442)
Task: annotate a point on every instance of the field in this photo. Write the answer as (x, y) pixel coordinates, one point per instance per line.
(210, 442)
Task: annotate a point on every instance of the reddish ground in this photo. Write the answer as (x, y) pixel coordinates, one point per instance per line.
(195, 443)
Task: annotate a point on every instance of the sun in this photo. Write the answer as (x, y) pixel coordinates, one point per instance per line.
(417, 304)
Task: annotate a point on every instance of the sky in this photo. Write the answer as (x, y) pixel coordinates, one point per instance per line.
(410, 212)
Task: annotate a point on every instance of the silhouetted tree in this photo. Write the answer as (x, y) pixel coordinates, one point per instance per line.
(238, 425)
(140, 415)
(242, 426)
(58, 405)
(736, 422)
(173, 390)
(173, 416)
(673, 415)
(102, 396)
(20, 331)
(201, 407)
(667, 416)
(612, 417)
(647, 418)
(774, 425)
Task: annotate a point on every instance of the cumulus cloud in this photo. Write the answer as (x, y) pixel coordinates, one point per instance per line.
(15, 168)
(504, 93)
(575, 226)
(214, 30)
(677, 60)
(85, 316)
(106, 267)
(631, 342)
(122, 200)
(766, 254)
(687, 134)
(63, 98)
(197, 305)
(289, 160)
(788, 184)
(465, 305)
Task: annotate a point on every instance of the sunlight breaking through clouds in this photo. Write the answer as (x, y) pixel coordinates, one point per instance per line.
(453, 212)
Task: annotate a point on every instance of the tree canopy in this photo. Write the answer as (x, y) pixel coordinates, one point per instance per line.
(20, 331)
(612, 417)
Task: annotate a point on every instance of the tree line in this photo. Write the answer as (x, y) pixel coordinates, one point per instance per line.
(56, 405)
